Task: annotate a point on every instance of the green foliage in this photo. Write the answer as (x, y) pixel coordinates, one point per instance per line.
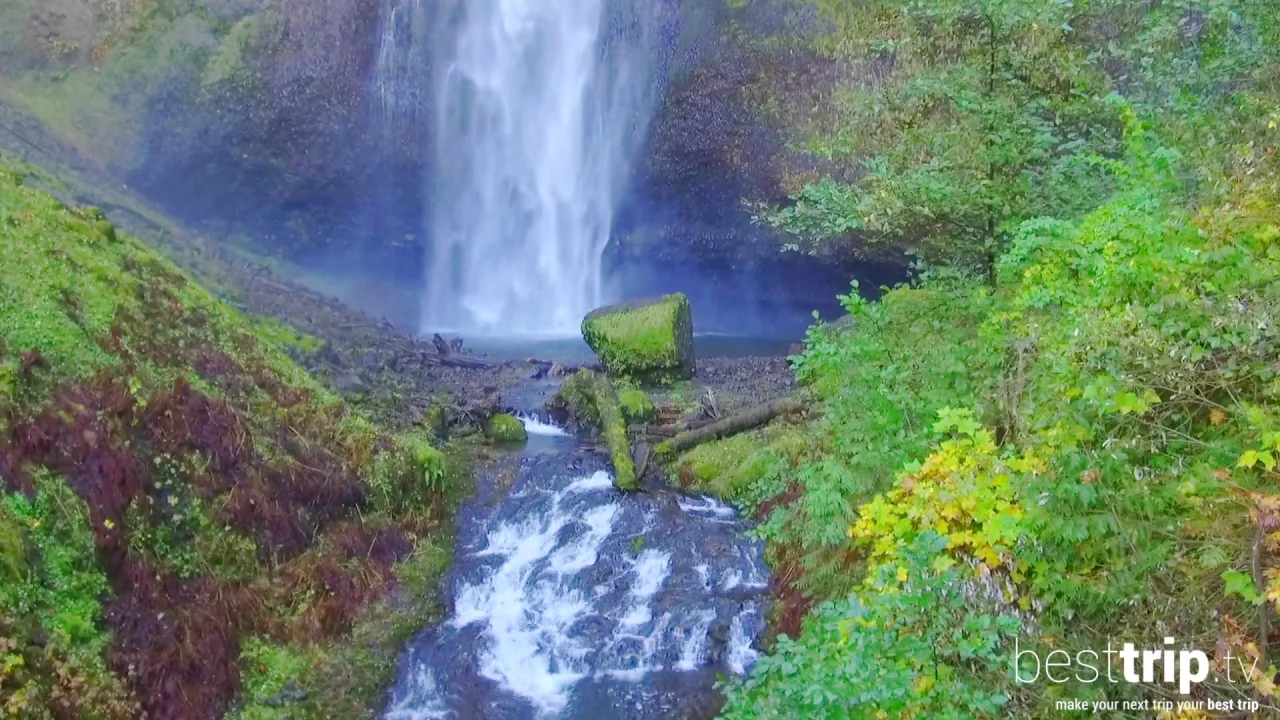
(1115, 475)
(652, 340)
(409, 478)
(348, 679)
(64, 585)
(51, 607)
(917, 647)
(962, 118)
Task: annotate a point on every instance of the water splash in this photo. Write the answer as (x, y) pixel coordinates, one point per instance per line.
(540, 104)
(556, 607)
(535, 425)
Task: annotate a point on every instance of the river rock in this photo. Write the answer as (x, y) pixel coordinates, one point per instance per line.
(506, 429)
(646, 338)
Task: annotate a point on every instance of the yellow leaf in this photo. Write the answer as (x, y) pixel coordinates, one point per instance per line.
(902, 574)
(1217, 417)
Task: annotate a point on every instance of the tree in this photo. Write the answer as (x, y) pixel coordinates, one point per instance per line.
(958, 119)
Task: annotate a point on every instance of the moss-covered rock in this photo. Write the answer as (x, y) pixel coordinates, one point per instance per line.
(636, 405)
(590, 398)
(576, 397)
(645, 339)
(506, 429)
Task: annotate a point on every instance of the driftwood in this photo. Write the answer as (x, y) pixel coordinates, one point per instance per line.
(551, 368)
(448, 356)
(746, 420)
(468, 362)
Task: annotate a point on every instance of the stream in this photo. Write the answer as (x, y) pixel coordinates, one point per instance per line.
(570, 600)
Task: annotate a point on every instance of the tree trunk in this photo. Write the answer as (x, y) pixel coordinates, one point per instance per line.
(746, 420)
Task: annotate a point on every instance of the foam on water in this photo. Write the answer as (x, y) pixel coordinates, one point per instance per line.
(739, 655)
(707, 506)
(535, 425)
(555, 592)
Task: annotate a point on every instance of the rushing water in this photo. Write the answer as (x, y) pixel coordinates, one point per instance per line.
(537, 107)
(570, 600)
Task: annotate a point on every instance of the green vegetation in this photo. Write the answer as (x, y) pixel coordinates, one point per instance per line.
(1064, 430)
(590, 399)
(636, 405)
(96, 66)
(162, 456)
(645, 340)
(506, 429)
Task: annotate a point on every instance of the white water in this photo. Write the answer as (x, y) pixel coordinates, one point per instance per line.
(541, 577)
(526, 613)
(537, 426)
(538, 105)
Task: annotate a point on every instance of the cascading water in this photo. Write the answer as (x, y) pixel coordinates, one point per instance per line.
(570, 600)
(538, 105)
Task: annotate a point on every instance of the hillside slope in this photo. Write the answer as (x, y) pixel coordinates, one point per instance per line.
(190, 524)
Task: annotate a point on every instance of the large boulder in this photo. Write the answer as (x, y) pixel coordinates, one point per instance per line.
(651, 338)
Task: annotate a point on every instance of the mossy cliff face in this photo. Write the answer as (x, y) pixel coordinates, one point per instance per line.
(644, 339)
(244, 117)
(175, 491)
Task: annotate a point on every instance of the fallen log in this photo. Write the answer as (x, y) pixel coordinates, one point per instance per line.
(468, 362)
(589, 397)
(746, 420)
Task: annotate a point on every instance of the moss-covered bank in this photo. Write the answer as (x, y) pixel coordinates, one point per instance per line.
(189, 510)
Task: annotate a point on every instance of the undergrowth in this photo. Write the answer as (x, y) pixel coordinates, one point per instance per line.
(1084, 453)
(185, 512)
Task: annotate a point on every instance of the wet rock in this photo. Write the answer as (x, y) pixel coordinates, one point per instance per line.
(651, 338)
(506, 429)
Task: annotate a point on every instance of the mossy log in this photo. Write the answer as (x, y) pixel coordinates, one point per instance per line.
(746, 420)
(592, 400)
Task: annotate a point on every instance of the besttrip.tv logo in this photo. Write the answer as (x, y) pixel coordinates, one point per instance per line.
(1185, 668)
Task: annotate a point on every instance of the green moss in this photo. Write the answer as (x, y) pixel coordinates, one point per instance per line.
(636, 405)
(727, 468)
(282, 336)
(577, 397)
(227, 65)
(651, 340)
(590, 398)
(506, 429)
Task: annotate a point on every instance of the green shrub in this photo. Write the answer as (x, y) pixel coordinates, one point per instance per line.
(636, 405)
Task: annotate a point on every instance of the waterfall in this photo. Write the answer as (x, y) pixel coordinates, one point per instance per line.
(534, 107)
